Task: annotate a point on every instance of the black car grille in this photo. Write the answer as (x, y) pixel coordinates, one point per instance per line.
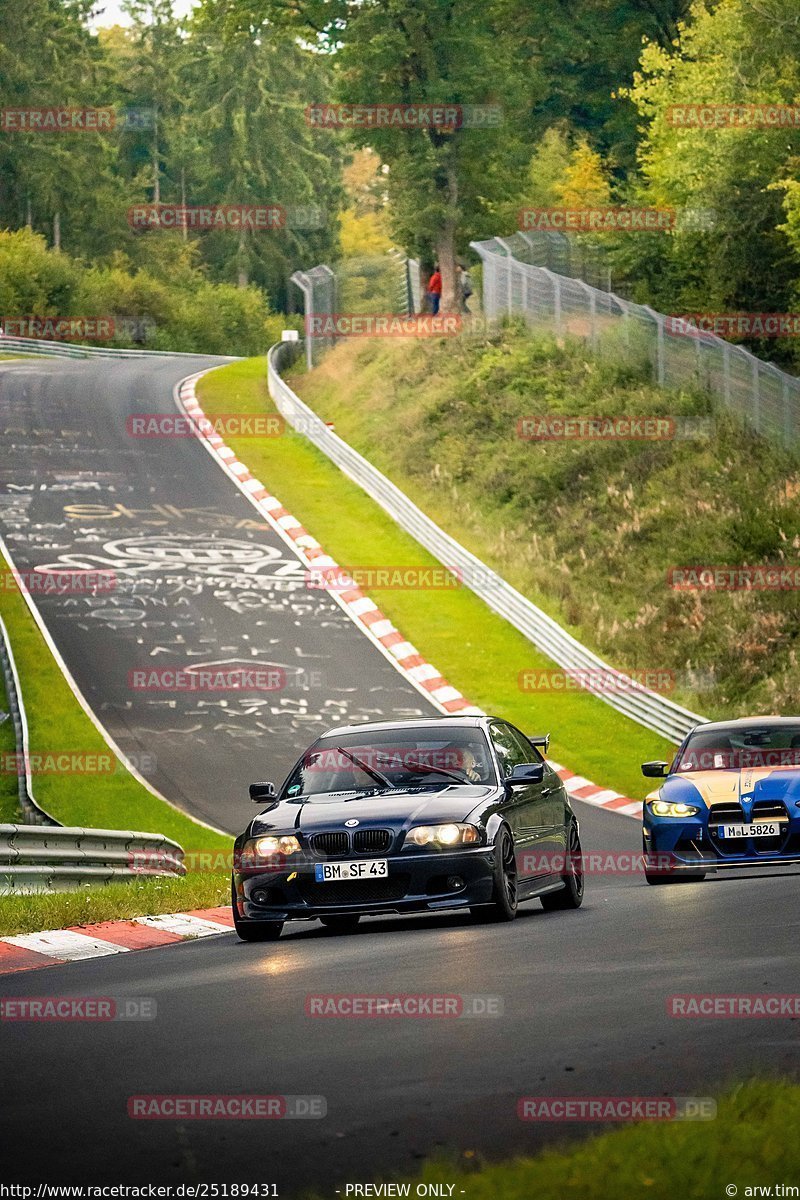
(348, 891)
(337, 844)
(330, 844)
(372, 841)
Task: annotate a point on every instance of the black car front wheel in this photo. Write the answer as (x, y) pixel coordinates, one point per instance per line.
(341, 924)
(571, 894)
(254, 931)
(504, 885)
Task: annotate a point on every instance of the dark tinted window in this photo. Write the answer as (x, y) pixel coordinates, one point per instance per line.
(512, 748)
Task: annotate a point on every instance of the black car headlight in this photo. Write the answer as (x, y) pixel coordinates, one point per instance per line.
(440, 837)
(269, 850)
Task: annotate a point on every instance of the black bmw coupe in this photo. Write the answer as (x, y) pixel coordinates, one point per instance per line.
(408, 816)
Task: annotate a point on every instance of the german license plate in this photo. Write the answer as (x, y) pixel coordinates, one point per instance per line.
(329, 872)
(755, 829)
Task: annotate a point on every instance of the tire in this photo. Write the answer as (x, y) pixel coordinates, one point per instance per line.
(660, 878)
(504, 885)
(341, 924)
(254, 931)
(571, 895)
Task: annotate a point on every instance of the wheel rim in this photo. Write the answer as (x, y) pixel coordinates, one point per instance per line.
(576, 866)
(510, 872)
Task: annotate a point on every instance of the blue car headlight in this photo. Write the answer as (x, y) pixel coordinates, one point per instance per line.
(668, 808)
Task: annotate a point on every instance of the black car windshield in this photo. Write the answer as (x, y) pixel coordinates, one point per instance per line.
(366, 762)
(733, 748)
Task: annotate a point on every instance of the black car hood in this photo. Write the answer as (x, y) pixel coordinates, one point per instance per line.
(396, 808)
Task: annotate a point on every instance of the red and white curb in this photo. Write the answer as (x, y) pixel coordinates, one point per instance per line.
(27, 951)
(589, 793)
(359, 607)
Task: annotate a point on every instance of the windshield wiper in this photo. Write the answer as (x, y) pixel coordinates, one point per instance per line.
(381, 779)
(427, 769)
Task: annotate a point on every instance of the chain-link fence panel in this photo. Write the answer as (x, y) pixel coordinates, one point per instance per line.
(515, 282)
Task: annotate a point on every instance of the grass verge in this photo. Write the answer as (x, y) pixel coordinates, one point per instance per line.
(107, 800)
(477, 651)
(9, 804)
(693, 1160)
(112, 902)
(590, 527)
(57, 723)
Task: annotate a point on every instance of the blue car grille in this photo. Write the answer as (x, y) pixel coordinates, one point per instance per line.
(762, 810)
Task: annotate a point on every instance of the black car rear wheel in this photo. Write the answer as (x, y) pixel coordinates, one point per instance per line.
(504, 888)
(341, 924)
(571, 894)
(254, 931)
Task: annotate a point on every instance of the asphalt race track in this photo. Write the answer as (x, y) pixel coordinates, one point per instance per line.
(584, 1013)
(581, 997)
(200, 581)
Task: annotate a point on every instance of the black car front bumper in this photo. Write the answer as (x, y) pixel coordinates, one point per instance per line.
(426, 882)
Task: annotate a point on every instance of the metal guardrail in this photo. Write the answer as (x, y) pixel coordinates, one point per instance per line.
(29, 808)
(649, 709)
(46, 856)
(34, 858)
(16, 345)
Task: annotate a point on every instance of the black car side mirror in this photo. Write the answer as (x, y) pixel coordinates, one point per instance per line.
(541, 741)
(524, 774)
(655, 770)
(259, 792)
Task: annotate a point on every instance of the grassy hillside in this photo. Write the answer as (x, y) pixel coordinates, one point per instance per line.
(589, 529)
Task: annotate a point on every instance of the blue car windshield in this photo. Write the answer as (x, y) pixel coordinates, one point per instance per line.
(732, 748)
(395, 759)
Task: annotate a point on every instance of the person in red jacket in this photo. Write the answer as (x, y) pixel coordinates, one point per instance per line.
(435, 290)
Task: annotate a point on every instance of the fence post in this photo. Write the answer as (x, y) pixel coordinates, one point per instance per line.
(589, 290)
(756, 395)
(510, 260)
(301, 280)
(660, 365)
(787, 423)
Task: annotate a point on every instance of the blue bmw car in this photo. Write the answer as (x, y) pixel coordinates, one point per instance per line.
(730, 798)
(408, 816)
